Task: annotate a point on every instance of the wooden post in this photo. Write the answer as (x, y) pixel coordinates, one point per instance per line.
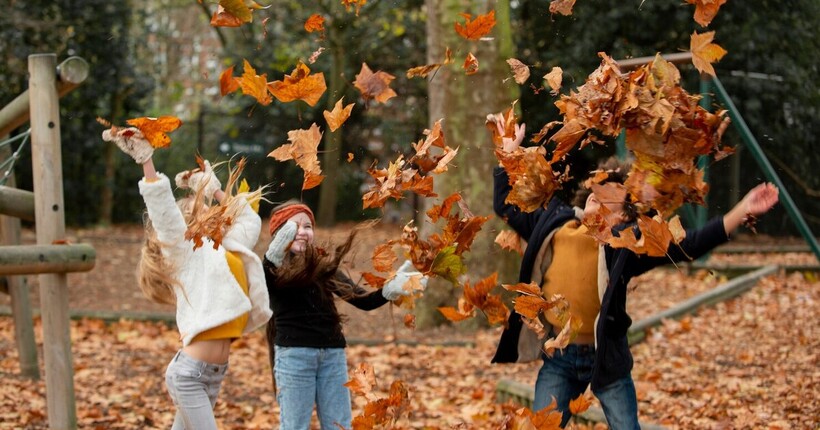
(47, 172)
(19, 292)
(31, 259)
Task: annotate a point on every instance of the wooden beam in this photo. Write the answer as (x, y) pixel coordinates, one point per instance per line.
(47, 174)
(37, 259)
(16, 203)
(627, 64)
(70, 73)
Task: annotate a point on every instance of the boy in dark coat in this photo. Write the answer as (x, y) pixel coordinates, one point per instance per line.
(564, 259)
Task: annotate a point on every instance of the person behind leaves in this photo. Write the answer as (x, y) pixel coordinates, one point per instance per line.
(563, 259)
(218, 289)
(305, 339)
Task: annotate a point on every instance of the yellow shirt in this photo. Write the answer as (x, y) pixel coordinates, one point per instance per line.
(573, 273)
(231, 329)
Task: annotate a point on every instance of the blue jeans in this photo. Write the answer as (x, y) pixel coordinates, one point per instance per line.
(194, 386)
(308, 376)
(566, 376)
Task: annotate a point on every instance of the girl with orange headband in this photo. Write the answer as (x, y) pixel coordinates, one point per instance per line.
(307, 346)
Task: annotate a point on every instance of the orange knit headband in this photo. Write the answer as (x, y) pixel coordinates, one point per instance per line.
(282, 215)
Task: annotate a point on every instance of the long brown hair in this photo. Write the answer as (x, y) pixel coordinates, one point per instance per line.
(314, 266)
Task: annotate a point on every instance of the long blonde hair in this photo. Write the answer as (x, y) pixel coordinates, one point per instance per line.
(156, 275)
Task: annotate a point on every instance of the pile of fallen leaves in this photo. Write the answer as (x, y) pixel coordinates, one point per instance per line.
(747, 363)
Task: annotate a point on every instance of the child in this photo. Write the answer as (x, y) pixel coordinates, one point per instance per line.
(218, 290)
(563, 259)
(305, 336)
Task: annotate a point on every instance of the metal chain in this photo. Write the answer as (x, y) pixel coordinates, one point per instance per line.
(7, 166)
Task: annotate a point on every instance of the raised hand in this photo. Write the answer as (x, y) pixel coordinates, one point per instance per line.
(760, 199)
(281, 242)
(394, 288)
(510, 144)
(131, 141)
(204, 180)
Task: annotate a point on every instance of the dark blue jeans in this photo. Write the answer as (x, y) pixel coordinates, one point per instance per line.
(566, 376)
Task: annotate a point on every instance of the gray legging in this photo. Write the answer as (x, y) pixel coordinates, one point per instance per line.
(194, 386)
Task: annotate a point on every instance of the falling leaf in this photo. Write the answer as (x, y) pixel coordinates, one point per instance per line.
(374, 281)
(362, 381)
(383, 257)
(358, 3)
(553, 79)
(315, 55)
(227, 82)
(423, 71)
(580, 404)
(478, 297)
(520, 70)
(443, 210)
(154, 129)
(315, 23)
(474, 30)
(233, 13)
(564, 7)
(410, 321)
(299, 85)
(706, 10)
(470, 64)
(510, 241)
(338, 115)
(704, 52)
(448, 265)
(349, 157)
(561, 340)
(303, 149)
(374, 86)
(254, 85)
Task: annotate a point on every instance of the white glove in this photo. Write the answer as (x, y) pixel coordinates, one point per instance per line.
(394, 288)
(131, 141)
(205, 180)
(281, 242)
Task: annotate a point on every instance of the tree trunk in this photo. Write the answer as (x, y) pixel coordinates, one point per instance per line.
(464, 101)
(328, 193)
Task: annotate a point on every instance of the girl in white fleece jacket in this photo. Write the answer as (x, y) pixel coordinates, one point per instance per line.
(200, 258)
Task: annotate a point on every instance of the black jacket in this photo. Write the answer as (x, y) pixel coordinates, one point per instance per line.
(613, 360)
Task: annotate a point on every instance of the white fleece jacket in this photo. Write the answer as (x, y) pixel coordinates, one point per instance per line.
(212, 295)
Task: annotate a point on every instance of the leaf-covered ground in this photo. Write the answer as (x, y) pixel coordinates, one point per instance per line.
(749, 363)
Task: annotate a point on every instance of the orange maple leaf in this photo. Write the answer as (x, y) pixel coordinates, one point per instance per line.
(509, 240)
(373, 280)
(580, 404)
(375, 86)
(704, 52)
(338, 115)
(234, 13)
(299, 85)
(476, 29)
(315, 22)
(358, 3)
(479, 297)
(362, 381)
(154, 129)
(383, 257)
(254, 85)
(564, 7)
(520, 70)
(303, 149)
(470, 64)
(443, 210)
(227, 82)
(706, 10)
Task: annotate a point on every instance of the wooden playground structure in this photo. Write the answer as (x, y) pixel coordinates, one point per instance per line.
(51, 258)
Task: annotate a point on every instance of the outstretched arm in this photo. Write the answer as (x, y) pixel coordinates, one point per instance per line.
(757, 202)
